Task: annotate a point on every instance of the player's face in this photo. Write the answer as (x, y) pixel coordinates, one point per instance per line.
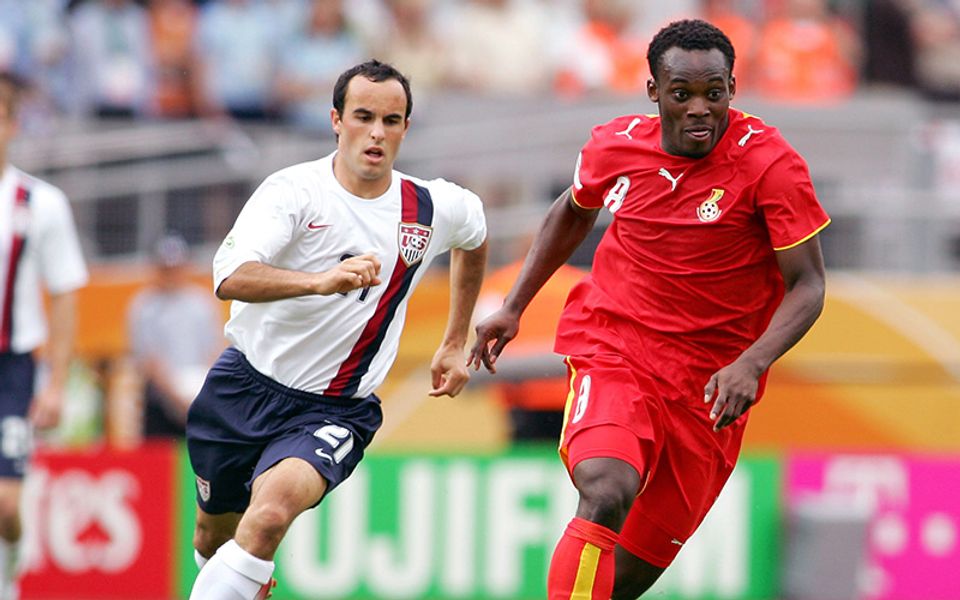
(370, 131)
(693, 89)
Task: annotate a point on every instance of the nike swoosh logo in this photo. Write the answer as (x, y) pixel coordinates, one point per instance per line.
(314, 226)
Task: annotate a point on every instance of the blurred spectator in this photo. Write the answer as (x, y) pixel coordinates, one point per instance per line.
(310, 62)
(172, 27)
(236, 42)
(412, 45)
(34, 42)
(496, 47)
(743, 33)
(14, 51)
(889, 54)
(112, 58)
(289, 15)
(174, 330)
(807, 55)
(605, 54)
(531, 381)
(936, 31)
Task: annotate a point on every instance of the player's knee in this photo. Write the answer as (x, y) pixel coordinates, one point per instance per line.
(206, 542)
(208, 537)
(9, 517)
(268, 522)
(606, 500)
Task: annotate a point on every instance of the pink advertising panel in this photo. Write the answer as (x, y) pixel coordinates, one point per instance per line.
(913, 532)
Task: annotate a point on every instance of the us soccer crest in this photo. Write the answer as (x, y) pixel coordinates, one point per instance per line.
(414, 239)
(203, 487)
(709, 210)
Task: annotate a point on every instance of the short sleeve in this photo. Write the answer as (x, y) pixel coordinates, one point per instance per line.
(602, 159)
(786, 199)
(264, 227)
(470, 224)
(592, 175)
(61, 258)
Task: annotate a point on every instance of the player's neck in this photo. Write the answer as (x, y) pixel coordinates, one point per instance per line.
(362, 188)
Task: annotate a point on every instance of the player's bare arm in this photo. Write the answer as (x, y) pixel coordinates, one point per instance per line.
(46, 407)
(736, 384)
(259, 282)
(562, 231)
(447, 369)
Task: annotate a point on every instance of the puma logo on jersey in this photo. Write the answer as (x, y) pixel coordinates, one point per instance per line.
(746, 137)
(673, 180)
(626, 132)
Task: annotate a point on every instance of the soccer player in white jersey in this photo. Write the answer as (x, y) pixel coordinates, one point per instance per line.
(38, 250)
(320, 265)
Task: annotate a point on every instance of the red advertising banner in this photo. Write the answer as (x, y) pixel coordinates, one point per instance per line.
(99, 524)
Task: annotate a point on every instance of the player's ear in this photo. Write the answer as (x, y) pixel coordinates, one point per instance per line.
(652, 91)
(335, 121)
(733, 86)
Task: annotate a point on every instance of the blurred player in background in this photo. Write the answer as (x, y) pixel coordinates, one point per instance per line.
(320, 265)
(39, 251)
(710, 271)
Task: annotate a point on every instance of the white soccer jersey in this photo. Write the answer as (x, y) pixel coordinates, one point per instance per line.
(302, 219)
(38, 249)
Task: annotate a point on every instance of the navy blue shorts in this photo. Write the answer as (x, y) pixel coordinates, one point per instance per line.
(242, 423)
(17, 372)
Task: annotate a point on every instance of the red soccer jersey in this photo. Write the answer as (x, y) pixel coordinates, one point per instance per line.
(691, 250)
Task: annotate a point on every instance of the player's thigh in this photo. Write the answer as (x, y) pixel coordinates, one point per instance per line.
(634, 576)
(293, 484)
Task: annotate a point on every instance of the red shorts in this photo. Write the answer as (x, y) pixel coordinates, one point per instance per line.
(614, 411)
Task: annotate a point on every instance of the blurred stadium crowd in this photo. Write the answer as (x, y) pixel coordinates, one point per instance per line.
(275, 60)
(163, 115)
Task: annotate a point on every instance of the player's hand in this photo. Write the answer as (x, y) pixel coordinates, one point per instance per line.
(735, 387)
(45, 409)
(354, 273)
(448, 371)
(498, 329)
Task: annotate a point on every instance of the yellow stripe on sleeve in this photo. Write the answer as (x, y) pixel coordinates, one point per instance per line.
(797, 243)
(573, 196)
(586, 573)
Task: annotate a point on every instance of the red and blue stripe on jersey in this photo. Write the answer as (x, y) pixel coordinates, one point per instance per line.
(17, 243)
(416, 207)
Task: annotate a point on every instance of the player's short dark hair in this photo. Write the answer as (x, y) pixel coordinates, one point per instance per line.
(375, 71)
(688, 34)
(12, 87)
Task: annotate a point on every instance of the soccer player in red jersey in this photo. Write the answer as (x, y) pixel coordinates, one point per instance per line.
(710, 271)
